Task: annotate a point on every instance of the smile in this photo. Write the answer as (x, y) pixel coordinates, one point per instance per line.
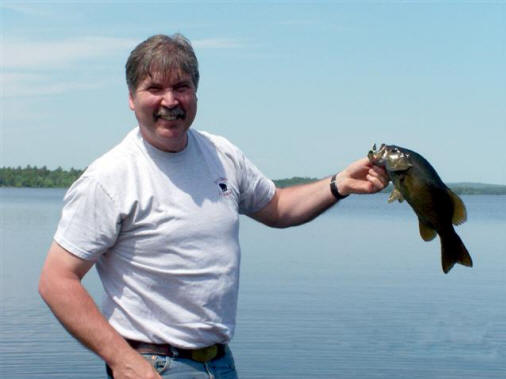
(170, 118)
(172, 114)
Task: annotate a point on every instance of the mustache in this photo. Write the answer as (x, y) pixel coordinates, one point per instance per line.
(171, 113)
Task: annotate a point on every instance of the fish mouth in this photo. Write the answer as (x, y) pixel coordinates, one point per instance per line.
(392, 157)
(171, 114)
(377, 156)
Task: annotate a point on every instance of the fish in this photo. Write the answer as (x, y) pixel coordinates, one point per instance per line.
(438, 208)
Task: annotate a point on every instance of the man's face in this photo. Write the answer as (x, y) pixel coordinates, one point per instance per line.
(165, 107)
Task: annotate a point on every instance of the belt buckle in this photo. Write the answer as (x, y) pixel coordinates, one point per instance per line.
(205, 354)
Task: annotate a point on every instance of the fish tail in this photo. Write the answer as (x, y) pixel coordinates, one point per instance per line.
(453, 251)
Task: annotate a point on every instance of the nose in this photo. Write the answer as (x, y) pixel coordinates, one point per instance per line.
(169, 99)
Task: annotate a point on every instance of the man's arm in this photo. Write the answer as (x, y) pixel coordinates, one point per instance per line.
(301, 203)
(60, 287)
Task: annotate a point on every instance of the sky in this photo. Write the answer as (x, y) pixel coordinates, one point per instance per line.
(303, 88)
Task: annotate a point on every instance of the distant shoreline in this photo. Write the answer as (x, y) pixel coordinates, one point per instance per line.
(35, 177)
(462, 188)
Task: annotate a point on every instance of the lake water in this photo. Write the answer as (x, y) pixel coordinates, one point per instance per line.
(354, 294)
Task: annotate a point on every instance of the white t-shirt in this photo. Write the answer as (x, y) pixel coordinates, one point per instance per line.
(163, 231)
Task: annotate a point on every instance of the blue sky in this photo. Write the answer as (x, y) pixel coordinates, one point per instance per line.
(304, 88)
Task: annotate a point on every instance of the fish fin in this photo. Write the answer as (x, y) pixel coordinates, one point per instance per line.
(459, 209)
(453, 251)
(426, 232)
(395, 195)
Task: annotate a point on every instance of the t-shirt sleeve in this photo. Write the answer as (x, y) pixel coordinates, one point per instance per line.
(256, 189)
(90, 220)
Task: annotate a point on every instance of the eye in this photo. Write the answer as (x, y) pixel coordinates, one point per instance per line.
(154, 87)
(183, 87)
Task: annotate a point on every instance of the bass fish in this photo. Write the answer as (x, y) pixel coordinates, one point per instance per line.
(437, 207)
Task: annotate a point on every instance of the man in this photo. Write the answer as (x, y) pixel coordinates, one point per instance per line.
(158, 215)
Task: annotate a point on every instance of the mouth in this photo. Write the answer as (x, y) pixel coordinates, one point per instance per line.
(171, 114)
(375, 155)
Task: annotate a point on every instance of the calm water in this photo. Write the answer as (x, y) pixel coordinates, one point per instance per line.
(354, 294)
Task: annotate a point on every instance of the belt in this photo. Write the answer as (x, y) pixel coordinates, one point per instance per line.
(202, 355)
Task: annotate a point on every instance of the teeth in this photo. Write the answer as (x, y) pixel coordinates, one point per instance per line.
(168, 118)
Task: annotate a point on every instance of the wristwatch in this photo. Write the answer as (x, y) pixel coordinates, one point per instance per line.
(333, 189)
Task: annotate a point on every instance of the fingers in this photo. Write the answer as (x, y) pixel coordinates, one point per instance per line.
(379, 170)
(376, 182)
(378, 176)
(363, 177)
(363, 167)
(357, 169)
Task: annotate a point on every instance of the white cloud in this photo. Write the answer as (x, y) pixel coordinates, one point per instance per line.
(42, 55)
(33, 68)
(20, 84)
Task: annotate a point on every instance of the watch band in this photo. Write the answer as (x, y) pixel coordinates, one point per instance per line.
(333, 189)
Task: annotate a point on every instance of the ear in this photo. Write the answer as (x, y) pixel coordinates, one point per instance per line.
(131, 100)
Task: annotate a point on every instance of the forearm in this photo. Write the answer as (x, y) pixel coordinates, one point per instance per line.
(60, 287)
(298, 204)
(75, 309)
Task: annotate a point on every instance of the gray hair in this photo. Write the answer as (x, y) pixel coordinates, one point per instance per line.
(161, 54)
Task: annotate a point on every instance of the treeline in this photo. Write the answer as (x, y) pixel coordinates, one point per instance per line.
(469, 188)
(281, 183)
(33, 176)
(477, 189)
(458, 188)
(42, 177)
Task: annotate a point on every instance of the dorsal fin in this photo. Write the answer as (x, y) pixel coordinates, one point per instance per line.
(459, 209)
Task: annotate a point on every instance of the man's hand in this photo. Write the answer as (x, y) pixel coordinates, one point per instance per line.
(60, 287)
(134, 367)
(361, 177)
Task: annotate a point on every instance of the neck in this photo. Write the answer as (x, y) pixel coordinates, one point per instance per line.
(169, 145)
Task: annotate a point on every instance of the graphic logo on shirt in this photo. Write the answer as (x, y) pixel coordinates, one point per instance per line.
(223, 186)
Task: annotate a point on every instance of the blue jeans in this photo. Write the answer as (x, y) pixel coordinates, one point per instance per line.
(179, 368)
